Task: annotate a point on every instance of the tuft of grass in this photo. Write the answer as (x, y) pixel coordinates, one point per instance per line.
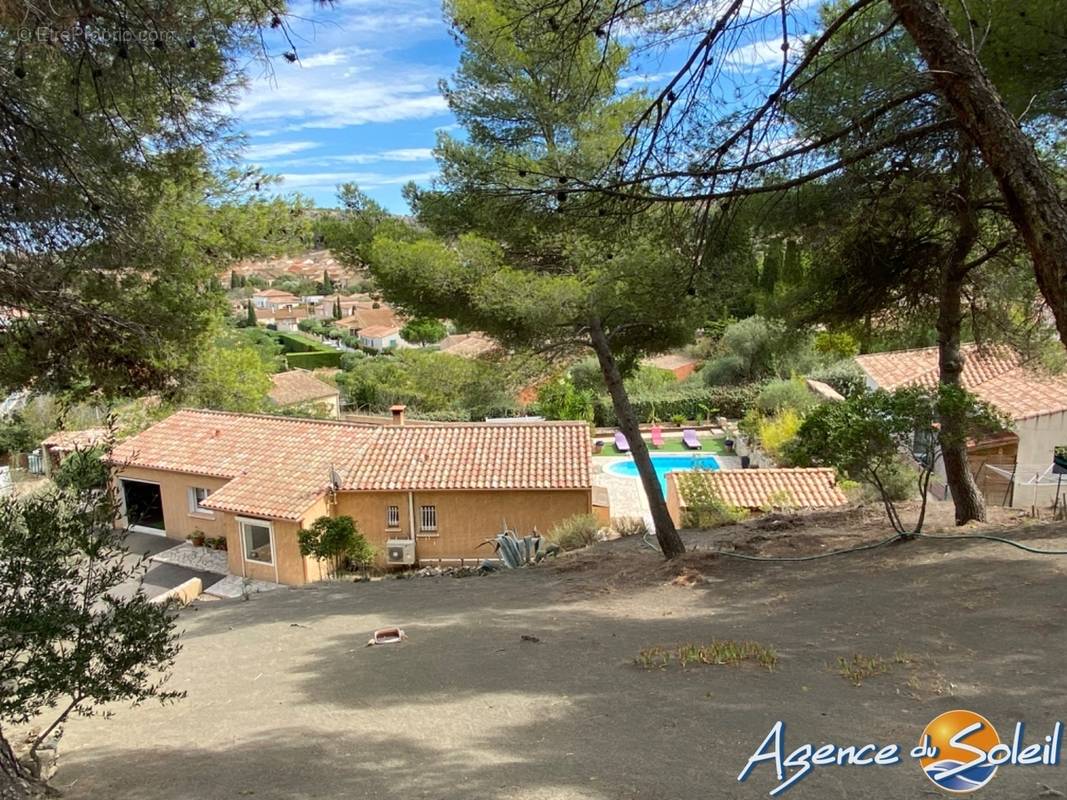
(860, 667)
(653, 658)
(718, 652)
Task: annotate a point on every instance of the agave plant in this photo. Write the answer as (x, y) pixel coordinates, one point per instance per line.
(519, 551)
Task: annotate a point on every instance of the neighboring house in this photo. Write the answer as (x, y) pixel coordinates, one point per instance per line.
(1035, 401)
(380, 337)
(467, 345)
(678, 364)
(367, 314)
(418, 494)
(282, 319)
(798, 488)
(300, 388)
(62, 443)
(275, 299)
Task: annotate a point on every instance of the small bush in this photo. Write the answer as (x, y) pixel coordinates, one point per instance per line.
(845, 376)
(629, 526)
(775, 433)
(836, 345)
(575, 532)
(704, 508)
(724, 371)
(779, 395)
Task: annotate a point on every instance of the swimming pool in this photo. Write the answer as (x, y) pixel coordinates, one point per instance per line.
(663, 464)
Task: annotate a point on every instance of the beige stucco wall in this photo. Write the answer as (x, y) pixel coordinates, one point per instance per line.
(674, 499)
(1038, 439)
(174, 492)
(465, 519)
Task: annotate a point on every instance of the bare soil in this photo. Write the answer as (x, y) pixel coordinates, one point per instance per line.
(523, 685)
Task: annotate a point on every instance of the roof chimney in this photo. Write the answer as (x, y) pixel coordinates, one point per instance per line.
(398, 413)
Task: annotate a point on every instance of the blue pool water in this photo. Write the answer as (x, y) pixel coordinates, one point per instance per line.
(664, 464)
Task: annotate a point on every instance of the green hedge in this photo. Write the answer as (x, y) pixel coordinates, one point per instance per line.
(313, 360)
(292, 343)
(726, 401)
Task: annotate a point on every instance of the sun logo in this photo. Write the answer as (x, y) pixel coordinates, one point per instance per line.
(957, 748)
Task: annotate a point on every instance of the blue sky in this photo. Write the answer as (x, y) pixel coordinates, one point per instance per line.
(363, 104)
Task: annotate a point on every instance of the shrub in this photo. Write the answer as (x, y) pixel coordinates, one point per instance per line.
(845, 376)
(575, 532)
(704, 508)
(724, 371)
(777, 432)
(836, 345)
(686, 400)
(83, 470)
(314, 360)
(629, 526)
(337, 540)
(779, 395)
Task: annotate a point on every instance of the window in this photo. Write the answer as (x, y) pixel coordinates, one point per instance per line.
(256, 537)
(392, 517)
(429, 518)
(197, 496)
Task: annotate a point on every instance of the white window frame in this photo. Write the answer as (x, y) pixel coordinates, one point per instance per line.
(428, 513)
(259, 523)
(195, 509)
(392, 517)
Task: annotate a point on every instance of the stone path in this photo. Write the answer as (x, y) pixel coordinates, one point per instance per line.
(203, 559)
(234, 586)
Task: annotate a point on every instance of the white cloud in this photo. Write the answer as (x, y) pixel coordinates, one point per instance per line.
(631, 81)
(267, 152)
(327, 59)
(757, 54)
(318, 99)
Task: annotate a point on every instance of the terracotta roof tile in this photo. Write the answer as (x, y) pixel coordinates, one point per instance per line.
(996, 374)
(299, 386)
(761, 488)
(65, 441)
(279, 466)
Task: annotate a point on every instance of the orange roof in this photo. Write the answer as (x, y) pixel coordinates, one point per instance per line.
(378, 331)
(280, 466)
(797, 487)
(299, 386)
(274, 293)
(467, 345)
(670, 361)
(997, 374)
(65, 441)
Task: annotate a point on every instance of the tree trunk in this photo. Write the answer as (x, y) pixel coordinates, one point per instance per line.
(666, 534)
(15, 782)
(1032, 199)
(968, 500)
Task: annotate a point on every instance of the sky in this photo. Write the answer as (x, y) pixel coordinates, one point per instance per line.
(362, 104)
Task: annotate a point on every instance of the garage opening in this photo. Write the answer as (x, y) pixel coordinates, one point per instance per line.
(144, 506)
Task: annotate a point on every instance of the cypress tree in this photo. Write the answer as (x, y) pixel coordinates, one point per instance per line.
(250, 317)
(792, 269)
(233, 279)
(772, 267)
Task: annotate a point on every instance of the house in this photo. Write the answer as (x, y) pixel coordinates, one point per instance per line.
(275, 299)
(678, 364)
(282, 319)
(467, 345)
(797, 488)
(62, 443)
(1034, 400)
(366, 314)
(419, 494)
(380, 337)
(300, 388)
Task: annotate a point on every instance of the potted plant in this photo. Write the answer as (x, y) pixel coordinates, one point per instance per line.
(196, 538)
(678, 420)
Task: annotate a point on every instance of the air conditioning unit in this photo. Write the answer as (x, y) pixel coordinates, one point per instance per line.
(400, 551)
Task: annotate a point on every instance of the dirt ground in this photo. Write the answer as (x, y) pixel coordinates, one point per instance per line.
(286, 701)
